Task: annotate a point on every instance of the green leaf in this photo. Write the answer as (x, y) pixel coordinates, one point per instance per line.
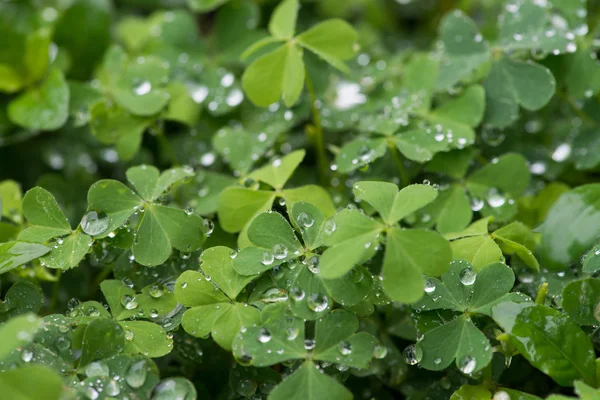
(283, 21)
(351, 242)
(111, 124)
(238, 206)
(391, 204)
(479, 392)
(420, 145)
(280, 170)
(358, 153)
(140, 87)
(310, 297)
(22, 297)
(452, 209)
(114, 199)
(591, 263)
(193, 289)
(458, 340)
(580, 301)
(16, 384)
(41, 210)
(42, 108)
(18, 332)
(275, 76)
(15, 254)
(307, 382)
(516, 238)
(10, 200)
(102, 338)
(478, 250)
(217, 263)
(513, 83)
(465, 50)
(583, 63)
(228, 323)
(68, 253)
(238, 148)
(554, 345)
(313, 194)
(146, 338)
(409, 254)
(336, 342)
(508, 173)
(332, 40)
(577, 210)
(309, 220)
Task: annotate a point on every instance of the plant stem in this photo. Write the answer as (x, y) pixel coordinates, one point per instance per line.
(542, 293)
(404, 180)
(317, 133)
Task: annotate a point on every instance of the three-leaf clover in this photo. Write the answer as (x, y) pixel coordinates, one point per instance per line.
(428, 131)
(470, 293)
(50, 226)
(237, 206)
(211, 296)
(409, 253)
(524, 26)
(295, 274)
(279, 74)
(481, 248)
(280, 337)
(159, 228)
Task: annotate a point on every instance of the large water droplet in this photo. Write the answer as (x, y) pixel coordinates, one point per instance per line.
(156, 291)
(246, 387)
(112, 388)
(429, 286)
(142, 88)
(280, 251)
(345, 348)
(467, 364)
(264, 335)
(317, 302)
(268, 258)
(309, 344)
(96, 368)
(26, 355)
(379, 351)
(93, 223)
(297, 294)
(467, 276)
(136, 375)
(129, 302)
(305, 220)
(412, 354)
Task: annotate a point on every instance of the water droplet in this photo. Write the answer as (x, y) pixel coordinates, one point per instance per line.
(437, 361)
(476, 204)
(274, 295)
(501, 395)
(292, 333)
(280, 251)
(129, 335)
(26, 355)
(345, 348)
(297, 294)
(233, 254)
(467, 276)
(429, 286)
(329, 227)
(309, 344)
(562, 152)
(313, 264)
(379, 351)
(62, 343)
(246, 387)
(412, 354)
(305, 220)
(94, 224)
(467, 364)
(156, 291)
(153, 313)
(268, 258)
(142, 88)
(209, 226)
(112, 388)
(129, 302)
(317, 302)
(96, 368)
(264, 335)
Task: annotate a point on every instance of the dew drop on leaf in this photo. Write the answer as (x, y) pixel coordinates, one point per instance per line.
(345, 348)
(246, 387)
(309, 344)
(429, 286)
(129, 302)
(279, 251)
(412, 354)
(96, 368)
(317, 302)
(142, 88)
(501, 395)
(297, 294)
(467, 364)
(94, 224)
(264, 335)
(267, 258)
(467, 276)
(26, 355)
(379, 351)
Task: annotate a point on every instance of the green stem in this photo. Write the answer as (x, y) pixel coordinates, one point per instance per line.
(317, 133)
(55, 290)
(404, 180)
(542, 293)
